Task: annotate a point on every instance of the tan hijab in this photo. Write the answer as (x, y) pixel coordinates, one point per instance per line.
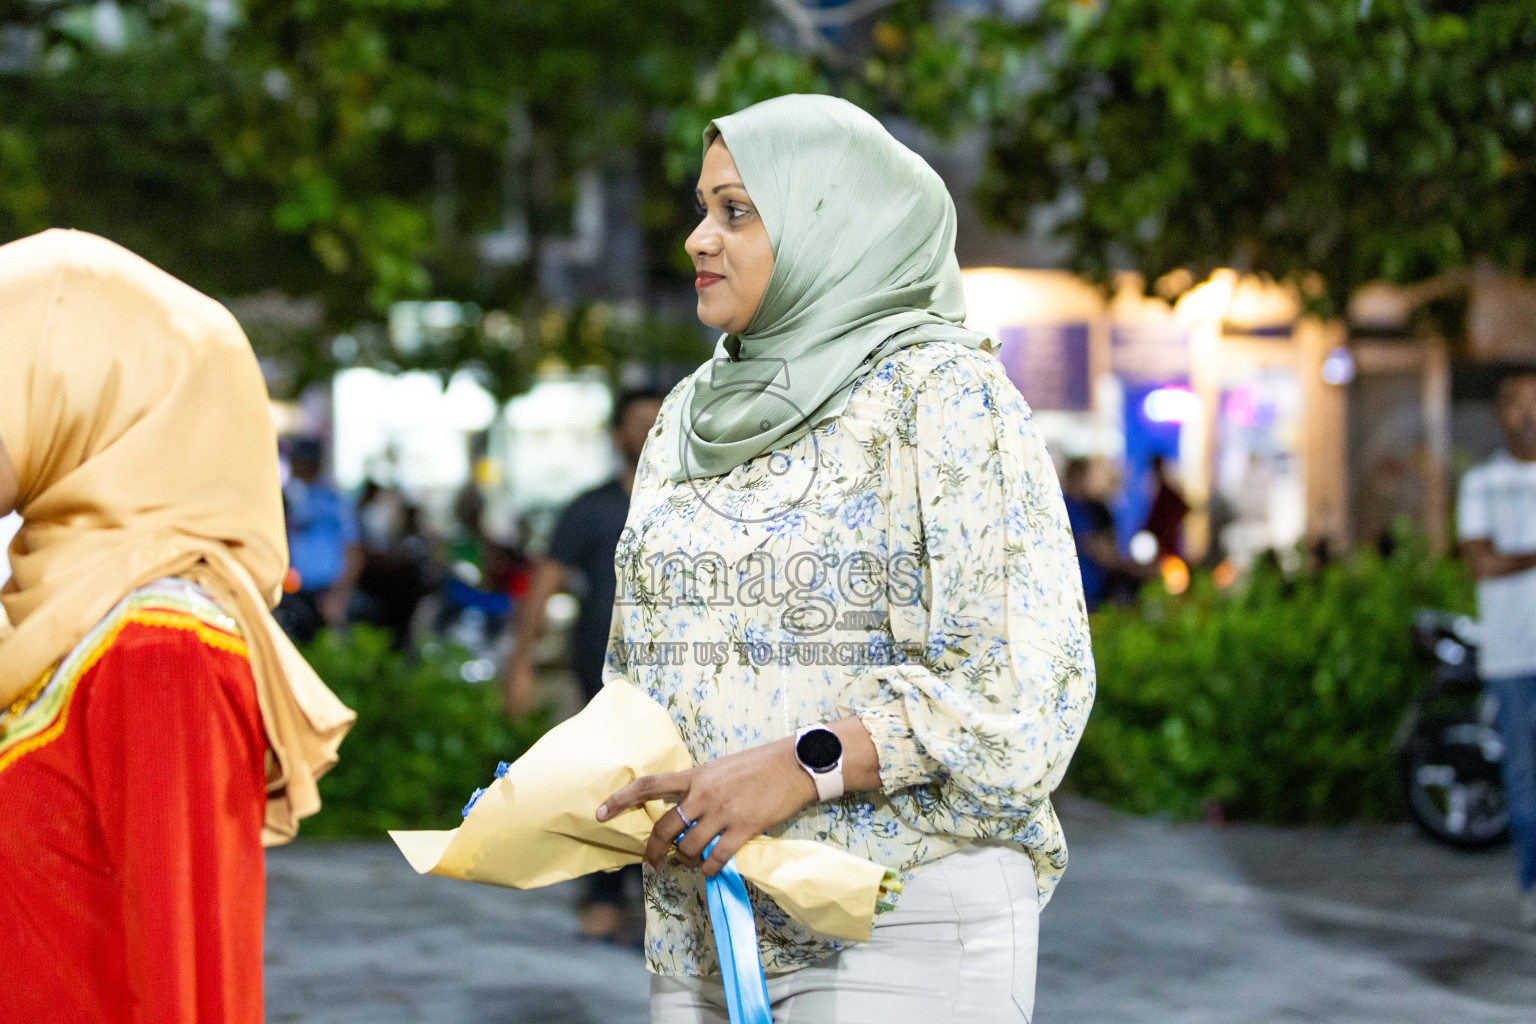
(137, 420)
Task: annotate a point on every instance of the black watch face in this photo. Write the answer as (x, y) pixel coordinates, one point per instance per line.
(819, 750)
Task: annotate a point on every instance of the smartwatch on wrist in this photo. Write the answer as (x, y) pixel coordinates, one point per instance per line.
(820, 753)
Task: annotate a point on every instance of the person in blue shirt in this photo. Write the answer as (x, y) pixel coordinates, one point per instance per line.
(1106, 572)
(323, 548)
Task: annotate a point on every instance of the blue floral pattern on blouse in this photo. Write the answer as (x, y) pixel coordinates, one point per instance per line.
(908, 561)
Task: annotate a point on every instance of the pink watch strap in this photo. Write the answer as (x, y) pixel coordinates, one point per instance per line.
(829, 784)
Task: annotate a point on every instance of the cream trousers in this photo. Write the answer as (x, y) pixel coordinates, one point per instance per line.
(959, 947)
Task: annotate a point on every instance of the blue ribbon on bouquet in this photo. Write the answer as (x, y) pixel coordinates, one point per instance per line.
(741, 969)
(730, 913)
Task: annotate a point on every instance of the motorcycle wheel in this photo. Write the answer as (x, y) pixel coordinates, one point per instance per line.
(1452, 786)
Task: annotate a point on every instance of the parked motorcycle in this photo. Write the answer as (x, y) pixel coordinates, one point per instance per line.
(1448, 752)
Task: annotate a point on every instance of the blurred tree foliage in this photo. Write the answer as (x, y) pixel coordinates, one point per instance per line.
(364, 151)
(903, 57)
(1390, 139)
(354, 150)
(1330, 142)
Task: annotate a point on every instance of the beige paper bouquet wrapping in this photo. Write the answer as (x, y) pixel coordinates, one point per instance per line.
(537, 824)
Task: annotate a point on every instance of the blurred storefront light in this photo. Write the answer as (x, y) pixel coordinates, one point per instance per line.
(1172, 405)
(998, 296)
(1144, 548)
(561, 609)
(407, 426)
(1175, 574)
(414, 324)
(1241, 407)
(1218, 376)
(1049, 326)
(555, 438)
(1209, 301)
(467, 405)
(1339, 367)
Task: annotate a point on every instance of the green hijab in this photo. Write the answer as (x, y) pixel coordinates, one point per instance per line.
(863, 236)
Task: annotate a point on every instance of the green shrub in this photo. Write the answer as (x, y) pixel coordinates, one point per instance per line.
(424, 738)
(1276, 699)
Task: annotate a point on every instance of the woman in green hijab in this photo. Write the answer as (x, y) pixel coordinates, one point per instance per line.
(847, 573)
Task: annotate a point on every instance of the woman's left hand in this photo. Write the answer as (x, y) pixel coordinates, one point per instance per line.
(736, 797)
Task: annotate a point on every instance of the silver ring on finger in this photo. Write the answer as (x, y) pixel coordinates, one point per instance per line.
(687, 825)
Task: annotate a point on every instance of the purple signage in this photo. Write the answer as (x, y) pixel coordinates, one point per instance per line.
(1048, 363)
(1152, 353)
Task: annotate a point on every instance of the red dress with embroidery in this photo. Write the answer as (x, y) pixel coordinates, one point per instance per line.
(132, 792)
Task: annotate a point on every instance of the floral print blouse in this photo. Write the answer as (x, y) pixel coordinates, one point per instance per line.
(908, 561)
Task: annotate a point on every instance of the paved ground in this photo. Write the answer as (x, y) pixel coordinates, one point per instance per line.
(1208, 925)
(1173, 924)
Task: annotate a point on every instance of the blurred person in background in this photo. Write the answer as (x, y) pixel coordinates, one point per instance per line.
(1107, 574)
(582, 546)
(323, 546)
(156, 727)
(484, 573)
(1496, 520)
(1165, 521)
(485, 551)
(393, 578)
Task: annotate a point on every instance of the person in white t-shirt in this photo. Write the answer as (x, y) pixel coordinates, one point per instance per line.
(1497, 523)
